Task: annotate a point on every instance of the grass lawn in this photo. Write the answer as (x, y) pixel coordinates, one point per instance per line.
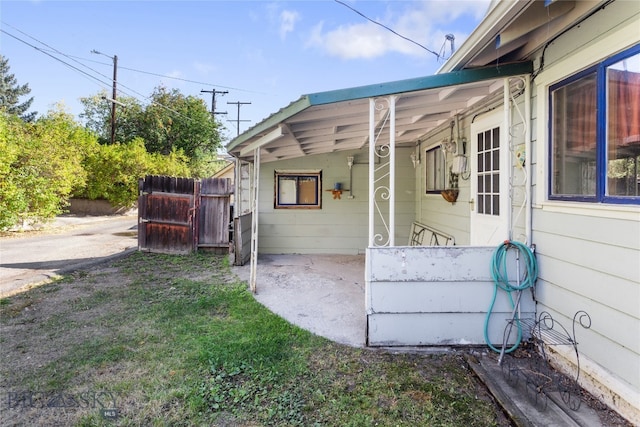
(179, 341)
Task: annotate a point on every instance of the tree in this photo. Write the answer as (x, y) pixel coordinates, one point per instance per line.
(10, 93)
(174, 121)
(97, 117)
(171, 122)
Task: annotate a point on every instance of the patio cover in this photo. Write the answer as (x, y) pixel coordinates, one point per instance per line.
(338, 120)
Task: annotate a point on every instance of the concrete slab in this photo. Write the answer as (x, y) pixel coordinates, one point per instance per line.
(323, 294)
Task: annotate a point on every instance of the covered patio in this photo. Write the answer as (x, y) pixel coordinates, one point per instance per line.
(408, 295)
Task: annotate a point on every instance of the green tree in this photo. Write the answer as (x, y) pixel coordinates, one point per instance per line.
(11, 92)
(174, 121)
(171, 122)
(97, 117)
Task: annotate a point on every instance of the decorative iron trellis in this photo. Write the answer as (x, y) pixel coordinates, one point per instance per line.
(538, 376)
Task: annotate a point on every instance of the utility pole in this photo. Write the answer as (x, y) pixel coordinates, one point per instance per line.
(213, 93)
(113, 104)
(238, 117)
(113, 99)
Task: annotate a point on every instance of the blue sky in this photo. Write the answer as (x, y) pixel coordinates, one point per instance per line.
(268, 53)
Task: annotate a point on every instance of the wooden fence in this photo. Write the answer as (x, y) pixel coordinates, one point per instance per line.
(182, 215)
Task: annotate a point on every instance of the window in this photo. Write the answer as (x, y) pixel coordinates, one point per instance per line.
(488, 160)
(435, 166)
(595, 133)
(298, 189)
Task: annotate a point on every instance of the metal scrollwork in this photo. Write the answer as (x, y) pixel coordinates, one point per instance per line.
(539, 377)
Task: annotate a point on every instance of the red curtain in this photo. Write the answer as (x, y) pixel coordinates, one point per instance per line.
(581, 115)
(624, 111)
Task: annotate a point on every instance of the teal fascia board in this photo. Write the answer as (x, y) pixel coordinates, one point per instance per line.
(452, 78)
(422, 83)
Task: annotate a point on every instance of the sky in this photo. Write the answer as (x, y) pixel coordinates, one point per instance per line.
(265, 54)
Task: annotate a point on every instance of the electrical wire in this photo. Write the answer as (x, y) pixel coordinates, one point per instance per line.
(499, 274)
(389, 29)
(128, 91)
(103, 83)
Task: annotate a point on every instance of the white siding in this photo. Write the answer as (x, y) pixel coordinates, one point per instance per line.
(433, 209)
(341, 225)
(589, 253)
(593, 264)
(435, 296)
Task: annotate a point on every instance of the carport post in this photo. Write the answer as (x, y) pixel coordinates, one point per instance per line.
(254, 220)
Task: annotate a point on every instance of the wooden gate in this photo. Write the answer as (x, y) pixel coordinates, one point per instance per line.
(214, 215)
(176, 216)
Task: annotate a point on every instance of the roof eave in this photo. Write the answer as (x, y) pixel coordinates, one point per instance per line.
(270, 122)
(486, 32)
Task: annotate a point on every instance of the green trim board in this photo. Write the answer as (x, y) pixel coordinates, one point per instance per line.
(435, 81)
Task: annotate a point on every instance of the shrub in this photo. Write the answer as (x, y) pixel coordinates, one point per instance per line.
(40, 165)
(114, 171)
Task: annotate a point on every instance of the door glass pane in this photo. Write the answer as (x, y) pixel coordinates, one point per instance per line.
(489, 172)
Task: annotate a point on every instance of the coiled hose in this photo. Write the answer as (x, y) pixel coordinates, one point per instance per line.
(500, 278)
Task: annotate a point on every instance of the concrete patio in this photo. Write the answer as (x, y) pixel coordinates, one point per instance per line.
(323, 294)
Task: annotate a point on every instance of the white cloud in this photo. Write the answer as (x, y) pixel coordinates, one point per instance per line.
(423, 22)
(288, 21)
(203, 68)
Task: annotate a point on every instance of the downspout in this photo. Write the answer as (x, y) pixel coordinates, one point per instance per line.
(528, 157)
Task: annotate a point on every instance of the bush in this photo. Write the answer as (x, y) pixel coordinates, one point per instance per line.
(44, 163)
(40, 165)
(114, 170)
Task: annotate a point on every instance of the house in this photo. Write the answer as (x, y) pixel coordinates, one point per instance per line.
(529, 133)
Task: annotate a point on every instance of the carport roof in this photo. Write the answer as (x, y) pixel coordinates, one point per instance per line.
(338, 120)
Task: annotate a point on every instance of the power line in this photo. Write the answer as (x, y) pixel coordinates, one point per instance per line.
(150, 100)
(389, 29)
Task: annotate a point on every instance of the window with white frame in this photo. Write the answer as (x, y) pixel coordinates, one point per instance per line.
(435, 169)
(298, 189)
(595, 133)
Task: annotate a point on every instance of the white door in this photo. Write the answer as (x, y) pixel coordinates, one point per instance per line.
(489, 180)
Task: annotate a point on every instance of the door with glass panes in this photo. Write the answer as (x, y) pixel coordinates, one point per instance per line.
(489, 180)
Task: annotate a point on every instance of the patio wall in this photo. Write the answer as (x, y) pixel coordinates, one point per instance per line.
(434, 295)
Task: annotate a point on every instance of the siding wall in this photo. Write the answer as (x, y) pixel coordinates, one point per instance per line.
(341, 226)
(435, 296)
(453, 218)
(433, 209)
(589, 253)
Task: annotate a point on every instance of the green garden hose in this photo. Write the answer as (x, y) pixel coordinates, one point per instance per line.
(501, 280)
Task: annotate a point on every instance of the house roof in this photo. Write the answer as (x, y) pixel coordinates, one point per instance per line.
(338, 120)
(513, 30)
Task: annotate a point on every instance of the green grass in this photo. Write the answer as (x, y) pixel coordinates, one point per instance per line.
(180, 341)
